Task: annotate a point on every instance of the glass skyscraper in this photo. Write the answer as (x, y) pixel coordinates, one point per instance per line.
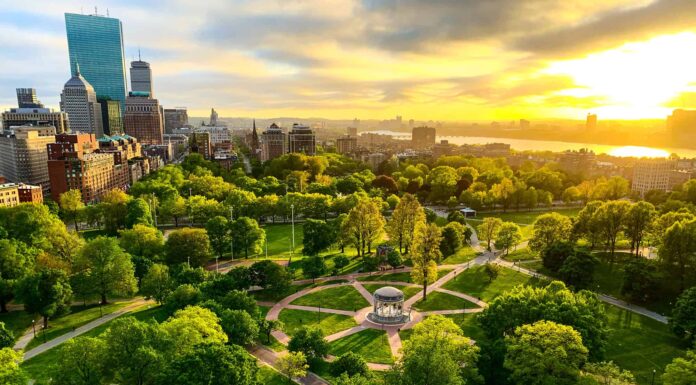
(96, 43)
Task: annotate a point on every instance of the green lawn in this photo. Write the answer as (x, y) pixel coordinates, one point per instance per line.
(522, 254)
(442, 301)
(294, 320)
(17, 321)
(371, 344)
(267, 295)
(528, 217)
(409, 291)
(464, 254)
(474, 281)
(395, 277)
(640, 344)
(339, 298)
(279, 238)
(269, 376)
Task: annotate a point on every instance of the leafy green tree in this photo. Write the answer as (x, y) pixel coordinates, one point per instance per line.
(681, 371)
(608, 373)
(345, 379)
(188, 245)
(173, 208)
(341, 261)
(683, 319)
(240, 300)
(142, 240)
(364, 225)
(318, 236)
(637, 222)
(394, 259)
(578, 269)
(452, 237)
(10, 371)
(71, 205)
(6, 337)
(443, 183)
(114, 206)
(211, 364)
(266, 327)
(544, 353)
(46, 292)
(437, 353)
(239, 326)
(270, 275)
(106, 268)
(351, 364)
(488, 230)
(138, 213)
(509, 236)
(82, 361)
(240, 277)
(556, 254)
(192, 326)
(183, 296)
(492, 271)
(676, 253)
(309, 341)
(584, 225)
(548, 229)
(247, 235)
(157, 283)
(314, 267)
(609, 219)
(16, 261)
(293, 365)
(425, 254)
(407, 213)
(641, 279)
(219, 234)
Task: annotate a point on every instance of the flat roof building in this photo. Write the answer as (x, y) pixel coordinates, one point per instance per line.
(23, 155)
(302, 139)
(9, 196)
(142, 119)
(274, 143)
(651, 174)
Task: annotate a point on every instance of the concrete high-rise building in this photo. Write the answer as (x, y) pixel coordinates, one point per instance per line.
(79, 101)
(213, 117)
(26, 98)
(17, 117)
(591, 121)
(274, 143)
(651, 174)
(199, 142)
(141, 77)
(423, 137)
(142, 119)
(301, 139)
(23, 155)
(112, 118)
(346, 144)
(175, 118)
(95, 44)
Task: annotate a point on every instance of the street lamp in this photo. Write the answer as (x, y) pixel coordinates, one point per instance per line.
(653, 378)
(33, 326)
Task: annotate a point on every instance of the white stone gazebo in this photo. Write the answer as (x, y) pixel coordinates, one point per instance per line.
(388, 307)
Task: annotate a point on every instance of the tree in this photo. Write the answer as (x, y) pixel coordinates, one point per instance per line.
(509, 236)
(10, 371)
(492, 270)
(318, 236)
(578, 269)
(608, 373)
(270, 275)
(188, 245)
(637, 221)
(6, 337)
(556, 254)
(239, 326)
(247, 235)
(138, 213)
(681, 371)
(437, 353)
(544, 353)
(443, 183)
(219, 234)
(548, 229)
(425, 254)
(46, 292)
(71, 205)
(488, 230)
(407, 213)
(676, 253)
(114, 206)
(452, 236)
(364, 225)
(106, 268)
(394, 259)
(293, 365)
(309, 341)
(341, 261)
(266, 327)
(183, 296)
(609, 219)
(313, 267)
(641, 279)
(683, 319)
(351, 364)
(211, 364)
(174, 208)
(16, 261)
(385, 183)
(142, 240)
(191, 326)
(82, 361)
(157, 283)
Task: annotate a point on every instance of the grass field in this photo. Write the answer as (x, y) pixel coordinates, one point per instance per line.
(464, 254)
(17, 321)
(294, 320)
(279, 238)
(395, 277)
(339, 298)
(371, 344)
(269, 376)
(528, 217)
(442, 301)
(409, 291)
(475, 282)
(523, 254)
(266, 295)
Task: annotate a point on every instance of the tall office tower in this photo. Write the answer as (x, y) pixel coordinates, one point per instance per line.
(141, 77)
(301, 139)
(591, 121)
(213, 117)
(112, 118)
(26, 98)
(17, 117)
(23, 154)
(346, 144)
(274, 143)
(423, 137)
(79, 101)
(96, 43)
(651, 174)
(199, 142)
(175, 118)
(143, 119)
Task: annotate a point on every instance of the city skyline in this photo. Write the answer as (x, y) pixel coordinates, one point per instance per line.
(377, 59)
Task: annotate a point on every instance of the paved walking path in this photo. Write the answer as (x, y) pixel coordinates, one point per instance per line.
(321, 310)
(270, 358)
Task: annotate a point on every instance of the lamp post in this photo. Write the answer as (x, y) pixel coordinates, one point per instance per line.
(33, 326)
(653, 378)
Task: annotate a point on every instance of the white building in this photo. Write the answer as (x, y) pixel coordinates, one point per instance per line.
(651, 174)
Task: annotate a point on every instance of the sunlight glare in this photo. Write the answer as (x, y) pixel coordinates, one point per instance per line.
(639, 152)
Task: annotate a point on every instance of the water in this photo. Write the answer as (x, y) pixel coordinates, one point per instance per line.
(556, 146)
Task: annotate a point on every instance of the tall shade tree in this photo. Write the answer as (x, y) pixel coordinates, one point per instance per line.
(16, 261)
(82, 361)
(407, 214)
(544, 353)
(219, 234)
(637, 222)
(173, 208)
(488, 230)
(509, 236)
(193, 326)
(609, 219)
(681, 371)
(211, 364)
(318, 236)
(364, 225)
(309, 341)
(452, 237)
(114, 206)
(293, 365)
(437, 353)
(157, 283)
(143, 241)
(46, 292)
(584, 225)
(188, 245)
(71, 205)
(443, 183)
(676, 253)
(106, 268)
(6, 337)
(247, 235)
(425, 254)
(683, 319)
(10, 371)
(549, 229)
(138, 213)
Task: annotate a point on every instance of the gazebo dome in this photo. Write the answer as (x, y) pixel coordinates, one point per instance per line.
(388, 306)
(389, 294)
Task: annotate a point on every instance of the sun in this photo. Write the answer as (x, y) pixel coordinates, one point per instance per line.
(636, 79)
(638, 152)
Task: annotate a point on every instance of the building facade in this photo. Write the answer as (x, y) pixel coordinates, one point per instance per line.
(26, 98)
(175, 118)
(79, 101)
(112, 118)
(651, 174)
(23, 155)
(16, 117)
(143, 120)
(423, 137)
(199, 142)
(301, 139)
(29, 194)
(274, 143)
(9, 196)
(141, 77)
(346, 144)
(95, 44)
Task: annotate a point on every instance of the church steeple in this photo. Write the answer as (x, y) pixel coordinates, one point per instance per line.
(254, 138)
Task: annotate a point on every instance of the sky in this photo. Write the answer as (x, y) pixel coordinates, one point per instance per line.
(447, 60)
